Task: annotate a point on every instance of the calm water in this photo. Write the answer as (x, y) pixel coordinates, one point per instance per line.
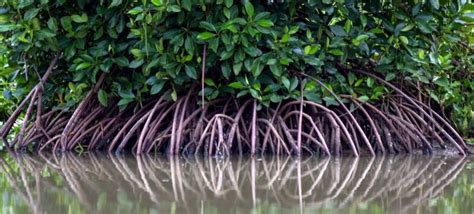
(149, 184)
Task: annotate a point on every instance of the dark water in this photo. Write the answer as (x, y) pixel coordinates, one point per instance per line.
(146, 184)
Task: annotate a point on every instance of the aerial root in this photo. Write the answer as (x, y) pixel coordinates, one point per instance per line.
(399, 124)
(35, 95)
(294, 127)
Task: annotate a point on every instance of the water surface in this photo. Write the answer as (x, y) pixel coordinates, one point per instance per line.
(155, 184)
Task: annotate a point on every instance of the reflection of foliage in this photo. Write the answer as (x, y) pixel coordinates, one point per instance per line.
(108, 185)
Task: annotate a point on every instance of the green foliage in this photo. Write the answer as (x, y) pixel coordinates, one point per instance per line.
(254, 49)
(7, 85)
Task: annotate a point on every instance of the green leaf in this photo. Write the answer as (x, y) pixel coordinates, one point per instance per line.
(408, 27)
(135, 64)
(330, 101)
(404, 39)
(7, 94)
(336, 52)
(370, 82)
(423, 79)
(208, 26)
(363, 20)
(23, 4)
(156, 88)
(311, 49)
(364, 98)
(398, 28)
(137, 53)
(434, 96)
(351, 78)
(124, 102)
(52, 24)
(115, 3)
(174, 95)
(358, 82)
(315, 48)
(103, 98)
(79, 19)
(157, 3)
(424, 26)
(236, 85)
(205, 35)
(83, 65)
(435, 4)
(253, 51)
(362, 37)
(190, 71)
(7, 27)
(271, 61)
(468, 17)
(338, 30)
(390, 76)
(285, 61)
(237, 67)
(286, 82)
(128, 94)
(66, 23)
(276, 70)
(230, 26)
(228, 3)
(226, 70)
(122, 61)
(186, 4)
(257, 68)
(210, 82)
(359, 39)
(468, 7)
(442, 81)
(249, 8)
(135, 10)
(242, 93)
(226, 55)
(254, 93)
(265, 23)
(307, 50)
(189, 45)
(213, 44)
(173, 8)
(294, 84)
(416, 9)
(31, 13)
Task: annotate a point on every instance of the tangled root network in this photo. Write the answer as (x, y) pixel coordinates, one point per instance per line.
(397, 125)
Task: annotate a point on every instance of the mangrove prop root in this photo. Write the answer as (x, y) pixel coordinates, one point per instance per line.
(459, 144)
(71, 126)
(225, 126)
(35, 94)
(359, 128)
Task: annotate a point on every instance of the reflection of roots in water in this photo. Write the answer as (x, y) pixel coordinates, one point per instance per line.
(395, 181)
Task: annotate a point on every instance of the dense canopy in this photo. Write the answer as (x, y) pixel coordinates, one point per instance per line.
(128, 56)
